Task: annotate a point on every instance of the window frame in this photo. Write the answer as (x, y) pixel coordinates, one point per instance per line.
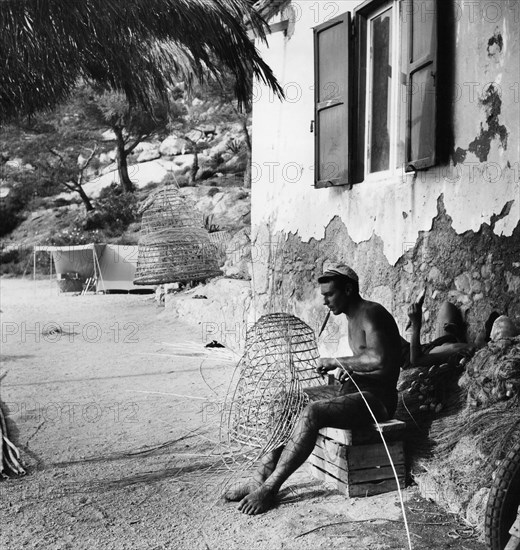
(358, 97)
(394, 131)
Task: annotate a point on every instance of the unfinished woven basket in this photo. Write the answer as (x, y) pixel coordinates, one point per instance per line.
(178, 254)
(167, 208)
(266, 396)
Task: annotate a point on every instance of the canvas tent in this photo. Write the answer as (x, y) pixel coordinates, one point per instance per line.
(111, 266)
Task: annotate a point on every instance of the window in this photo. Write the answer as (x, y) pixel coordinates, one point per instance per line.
(375, 91)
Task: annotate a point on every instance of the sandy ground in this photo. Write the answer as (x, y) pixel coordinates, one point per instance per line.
(119, 430)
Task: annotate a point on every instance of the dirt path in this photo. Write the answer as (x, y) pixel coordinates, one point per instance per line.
(118, 431)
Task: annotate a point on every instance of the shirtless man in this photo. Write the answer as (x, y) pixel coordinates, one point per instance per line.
(375, 365)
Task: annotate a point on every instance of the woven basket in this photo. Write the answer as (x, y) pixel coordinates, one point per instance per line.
(221, 241)
(266, 396)
(175, 255)
(167, 208)
(277, 331)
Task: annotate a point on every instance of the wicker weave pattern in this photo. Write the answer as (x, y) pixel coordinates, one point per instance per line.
(175, 255)
(262, 407)
(175, 247)
(167, 208)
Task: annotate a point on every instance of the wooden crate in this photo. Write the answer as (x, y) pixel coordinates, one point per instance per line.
(356, 462)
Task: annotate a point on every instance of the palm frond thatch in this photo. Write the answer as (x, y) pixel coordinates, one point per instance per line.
(270, 8)
(134, 46)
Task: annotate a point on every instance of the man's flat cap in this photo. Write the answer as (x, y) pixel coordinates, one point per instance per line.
(338, 270)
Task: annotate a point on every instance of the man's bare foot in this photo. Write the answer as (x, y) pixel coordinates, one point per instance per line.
(257, 502)
(235, 493)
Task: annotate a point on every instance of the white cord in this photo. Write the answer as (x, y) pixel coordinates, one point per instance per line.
(387, 452)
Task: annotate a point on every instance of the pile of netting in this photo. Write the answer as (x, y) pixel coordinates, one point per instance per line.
(467, 442)
(491, 415)
(494, 373)
(425, 393)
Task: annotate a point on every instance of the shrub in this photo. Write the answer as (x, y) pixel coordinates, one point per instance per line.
(115, 211)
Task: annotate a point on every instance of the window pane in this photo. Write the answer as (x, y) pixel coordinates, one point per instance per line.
(381, 82)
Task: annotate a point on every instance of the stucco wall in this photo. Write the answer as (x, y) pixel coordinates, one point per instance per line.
(455, 226)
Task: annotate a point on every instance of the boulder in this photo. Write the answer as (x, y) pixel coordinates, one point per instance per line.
(108, 135)
(149, 153)
(184, 160)
(173, 146)
(195, 135)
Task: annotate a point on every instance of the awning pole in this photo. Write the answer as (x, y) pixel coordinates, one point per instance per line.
(34, 263)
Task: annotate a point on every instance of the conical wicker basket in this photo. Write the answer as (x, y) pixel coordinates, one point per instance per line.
(167, 208)
(174, 247)
(178, 254)
(266, 396)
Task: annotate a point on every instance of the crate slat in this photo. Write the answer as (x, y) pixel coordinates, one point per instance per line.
(366, 456)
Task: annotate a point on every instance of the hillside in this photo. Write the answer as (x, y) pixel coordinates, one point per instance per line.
(204, 150)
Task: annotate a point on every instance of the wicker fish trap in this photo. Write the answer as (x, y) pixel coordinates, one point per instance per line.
(167, 208)
(175, 255)
(267, 394)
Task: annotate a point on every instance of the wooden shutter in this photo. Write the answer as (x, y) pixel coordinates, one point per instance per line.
(331, 91)
(421, 20)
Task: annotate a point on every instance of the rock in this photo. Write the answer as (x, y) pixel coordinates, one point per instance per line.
(108, 135)
(14, 164)
(172, 167)
(463, 283)
(208, 129)
(513, 282)
(435, 275)
(460, 297)
(476, 287)
(147, 152)
(104, 158)
(195, 135)
(173, 146)
(503, 327)
(184, 160)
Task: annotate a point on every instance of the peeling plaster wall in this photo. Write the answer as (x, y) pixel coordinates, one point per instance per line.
(385, 228)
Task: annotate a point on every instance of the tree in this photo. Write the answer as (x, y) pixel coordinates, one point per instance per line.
(54, 150)
(130, 124)
(224, 108)
(70, 172)
(46, 46)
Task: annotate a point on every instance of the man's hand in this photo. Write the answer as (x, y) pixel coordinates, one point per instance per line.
(344, 374)
(326, 364)
(415, 314)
